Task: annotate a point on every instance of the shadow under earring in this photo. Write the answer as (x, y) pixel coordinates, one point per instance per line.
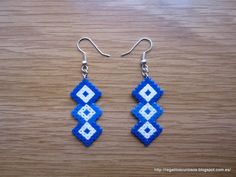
(147, 111)
(86, 112)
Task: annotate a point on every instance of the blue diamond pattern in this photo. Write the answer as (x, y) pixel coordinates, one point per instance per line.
(85, 92)
(147, 111)
(136, 130)
(151, 116)
(86, 112)
(90, 113)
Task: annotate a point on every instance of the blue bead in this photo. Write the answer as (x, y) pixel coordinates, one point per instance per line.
(147, 111)
(86, 112)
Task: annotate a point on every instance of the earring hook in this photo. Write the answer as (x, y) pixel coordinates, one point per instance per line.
(84, 67)
(143, 63)
(84, 53)
(143, 60)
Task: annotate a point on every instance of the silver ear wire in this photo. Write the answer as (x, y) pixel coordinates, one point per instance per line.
(143, 62)
(84, 67)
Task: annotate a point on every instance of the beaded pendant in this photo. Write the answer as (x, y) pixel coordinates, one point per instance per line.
(86, 112)
(147, 111)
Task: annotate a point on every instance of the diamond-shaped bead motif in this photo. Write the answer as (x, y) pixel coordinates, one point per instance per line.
(85, 94)
(86, 112)
(147, 111)
(147, 92)
(87, 131)
(147, 130)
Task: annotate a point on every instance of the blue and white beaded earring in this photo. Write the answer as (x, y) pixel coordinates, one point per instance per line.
(86, 112)
(147, 110)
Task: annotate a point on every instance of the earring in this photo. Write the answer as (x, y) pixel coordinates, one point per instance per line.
(147, 110)
(86, 112)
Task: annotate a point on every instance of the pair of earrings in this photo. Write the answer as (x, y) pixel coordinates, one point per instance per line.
(146, 111)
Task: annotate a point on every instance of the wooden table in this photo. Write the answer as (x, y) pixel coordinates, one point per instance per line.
(193, 60)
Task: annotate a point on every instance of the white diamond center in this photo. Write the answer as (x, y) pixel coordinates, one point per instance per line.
(86, 112)
(87, 131)
(147, 92)
(85, 93)
(147, 130)
(147, 111)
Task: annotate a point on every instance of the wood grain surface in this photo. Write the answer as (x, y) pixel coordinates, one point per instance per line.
(193, 60)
